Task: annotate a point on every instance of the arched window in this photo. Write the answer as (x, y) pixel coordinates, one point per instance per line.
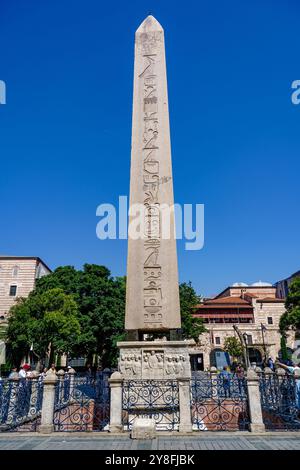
(15, 271)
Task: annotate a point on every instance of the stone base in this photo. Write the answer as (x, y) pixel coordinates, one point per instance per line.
(46, 428)
(116, 428)
(143, 428)
(160, 359)
(185, 428)
(257, 427)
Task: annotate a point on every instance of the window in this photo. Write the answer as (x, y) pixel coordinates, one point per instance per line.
(218, 340)
(15, 271)
(270, 321)
(249, 339)
(13, 291)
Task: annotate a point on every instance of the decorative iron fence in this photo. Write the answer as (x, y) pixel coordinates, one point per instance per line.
(82, 403)
(20, 404)
(280, 401)
(157, 399)
(219, 403)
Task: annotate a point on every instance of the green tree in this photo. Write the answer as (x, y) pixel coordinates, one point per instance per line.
(47, 320)
(101, 304)
(233, 346)
(192, 327)
(291, 317)
(100, 299)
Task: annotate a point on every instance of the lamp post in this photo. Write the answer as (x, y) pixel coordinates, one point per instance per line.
(263, 329)
(245, 338)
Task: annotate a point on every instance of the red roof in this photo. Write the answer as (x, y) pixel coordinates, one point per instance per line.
(234, 301)
(220, 306)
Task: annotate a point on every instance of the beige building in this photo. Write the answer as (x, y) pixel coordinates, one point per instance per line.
(255, 310)
(17, 279)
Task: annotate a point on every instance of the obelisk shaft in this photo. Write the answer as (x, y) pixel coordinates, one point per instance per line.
(152, 298)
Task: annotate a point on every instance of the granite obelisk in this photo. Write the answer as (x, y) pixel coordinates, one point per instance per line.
(152, 299)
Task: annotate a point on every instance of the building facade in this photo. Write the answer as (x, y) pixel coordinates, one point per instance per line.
(282, 287)
(255, 310)
(17, 279)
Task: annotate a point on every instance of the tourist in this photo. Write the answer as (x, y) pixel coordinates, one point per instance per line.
(23, 371)
(240, 375)
(43, 373)
(52, 368)
(295, 370)
(14, 373)
(225, 378)
(89, 371)
(29, 372)
(270, 364)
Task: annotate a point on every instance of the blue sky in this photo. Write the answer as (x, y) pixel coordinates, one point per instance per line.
(65, 130)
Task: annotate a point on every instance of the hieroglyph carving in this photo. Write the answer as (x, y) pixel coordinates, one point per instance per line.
(152, 291)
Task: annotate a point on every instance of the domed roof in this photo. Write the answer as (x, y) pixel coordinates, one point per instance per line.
(261, 284)
(239, 284)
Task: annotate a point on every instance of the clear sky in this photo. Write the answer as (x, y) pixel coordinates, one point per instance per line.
(65, 130)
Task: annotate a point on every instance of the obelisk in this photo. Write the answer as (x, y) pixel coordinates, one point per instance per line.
(152, 298)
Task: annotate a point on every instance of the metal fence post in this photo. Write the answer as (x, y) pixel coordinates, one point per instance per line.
(115, 383)
(185, 419)
(255, 410)
(48, 403)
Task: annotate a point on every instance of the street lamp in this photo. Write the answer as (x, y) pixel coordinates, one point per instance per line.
(245, 338)
(263, 329)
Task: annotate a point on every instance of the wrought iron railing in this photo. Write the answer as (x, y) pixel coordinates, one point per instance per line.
(20, 404)
(280, 401)
(157, 399)
(82, 403)
(219, 403)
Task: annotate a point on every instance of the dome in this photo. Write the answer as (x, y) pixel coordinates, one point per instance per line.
(239, 284)
(261, 284)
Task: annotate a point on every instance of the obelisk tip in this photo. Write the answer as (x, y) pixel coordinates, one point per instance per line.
(149, 24)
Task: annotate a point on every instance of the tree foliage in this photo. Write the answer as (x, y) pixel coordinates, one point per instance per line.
(233, 346)
(47, 320)
(291, 317)
(81, 312)
(101, 303)
(192, 327)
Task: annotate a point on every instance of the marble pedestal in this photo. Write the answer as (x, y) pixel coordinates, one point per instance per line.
(161, 360)
(156, 382)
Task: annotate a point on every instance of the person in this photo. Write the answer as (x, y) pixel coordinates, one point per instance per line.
(44, 373)
(29, 372)
(23, 371)
(225, 377)
(270, 364)
(295, 370)
(240, 374)
(52, 368)
(14, 373)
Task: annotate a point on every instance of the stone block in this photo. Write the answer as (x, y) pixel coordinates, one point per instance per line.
(143, 428)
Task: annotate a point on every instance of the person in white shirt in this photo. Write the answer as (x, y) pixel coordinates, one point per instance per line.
(22, 373)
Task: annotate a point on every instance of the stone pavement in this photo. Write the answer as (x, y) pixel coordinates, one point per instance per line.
(200, 441)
